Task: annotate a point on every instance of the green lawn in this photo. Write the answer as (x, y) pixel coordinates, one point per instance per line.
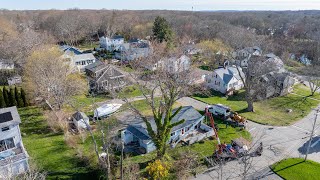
(85, 103)
(132, 91)
(296, 168)
(271, 111)
(88, 46)
(49, 150)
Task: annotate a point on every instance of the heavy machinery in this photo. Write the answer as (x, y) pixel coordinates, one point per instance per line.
(226, 152)
(225, 113)
(236, 120)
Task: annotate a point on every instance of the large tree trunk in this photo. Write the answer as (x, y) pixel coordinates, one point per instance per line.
(250, 106)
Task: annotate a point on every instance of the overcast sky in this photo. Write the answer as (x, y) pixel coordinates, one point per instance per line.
(164, 4)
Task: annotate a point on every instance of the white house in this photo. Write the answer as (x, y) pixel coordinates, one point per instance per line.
(225, 79)
(78, 59)
(242, 56)
(111, 43)
(13, 156)
(6, 64)
(14, 80)
(80, 120)
(82, 60)
(172, 64)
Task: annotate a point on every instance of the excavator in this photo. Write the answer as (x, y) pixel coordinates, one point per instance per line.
(238, 147)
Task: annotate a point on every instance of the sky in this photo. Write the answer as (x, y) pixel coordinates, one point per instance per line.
(198, 5)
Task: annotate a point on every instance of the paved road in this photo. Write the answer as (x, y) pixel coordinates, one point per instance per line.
(279, 143)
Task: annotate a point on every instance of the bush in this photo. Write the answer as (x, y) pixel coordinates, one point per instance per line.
(158, 170)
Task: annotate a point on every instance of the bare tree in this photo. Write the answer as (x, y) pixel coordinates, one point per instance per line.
(168, 84)
(311, 74)
(48, 78)
(251, 77)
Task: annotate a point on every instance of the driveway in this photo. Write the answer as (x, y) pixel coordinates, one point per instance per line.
(279, 143)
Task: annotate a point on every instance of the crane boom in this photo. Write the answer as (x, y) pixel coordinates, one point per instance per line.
(216, 136)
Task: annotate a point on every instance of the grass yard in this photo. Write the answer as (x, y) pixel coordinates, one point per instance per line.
(88, 46)
(144, 107)
(131, 91)
(48, 150)
(84, 103)
(271, 111)
(296, 168)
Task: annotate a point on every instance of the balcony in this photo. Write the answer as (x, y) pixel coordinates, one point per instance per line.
(11, 156)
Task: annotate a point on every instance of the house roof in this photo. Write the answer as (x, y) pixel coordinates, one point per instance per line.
(188, 113)
(227, 73)
(227, 78)
(117, 37)
(83, 57)
(9, 116)
(6, 61)
(137, 130)
(67, 48)
(96, 66)
(79, 115)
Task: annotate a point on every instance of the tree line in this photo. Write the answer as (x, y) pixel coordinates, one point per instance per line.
(13, 97)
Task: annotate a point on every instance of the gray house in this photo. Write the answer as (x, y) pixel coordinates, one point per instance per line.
(275, 84)
(104, 77)
(6, 64)
(191, 131)
(13, 156)
(135, 49)
(242, 56)
(14, 80)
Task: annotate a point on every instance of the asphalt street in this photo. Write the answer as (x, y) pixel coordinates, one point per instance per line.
(279, 143)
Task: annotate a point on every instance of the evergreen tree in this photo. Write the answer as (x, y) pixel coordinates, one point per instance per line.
(2, 101)
(24, 98)
(18, 97)
(6, 96)
(162, 30)
(12, 99)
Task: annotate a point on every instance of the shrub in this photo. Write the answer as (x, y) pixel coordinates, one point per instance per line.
(158, 170)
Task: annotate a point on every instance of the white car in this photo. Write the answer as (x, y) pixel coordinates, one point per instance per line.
(106, 109)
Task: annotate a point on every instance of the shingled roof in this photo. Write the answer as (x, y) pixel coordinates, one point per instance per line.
(9, 116)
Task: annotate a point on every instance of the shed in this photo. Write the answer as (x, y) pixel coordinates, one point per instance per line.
(80, 120)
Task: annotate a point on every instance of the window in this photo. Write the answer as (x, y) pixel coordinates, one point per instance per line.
(5, 129)
(172, 134)
(6, 144)
(83, 62)
(77, 63)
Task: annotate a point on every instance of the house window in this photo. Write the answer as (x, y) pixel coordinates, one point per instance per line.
(6, 144)
(5, 129)
(83, 62)
(173, 133)
(78, 63)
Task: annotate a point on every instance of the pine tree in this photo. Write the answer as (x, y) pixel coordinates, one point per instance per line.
(162, 30)
(6, 96)
(12, 98)
(2, 101)
(18, 97)
(24, 98)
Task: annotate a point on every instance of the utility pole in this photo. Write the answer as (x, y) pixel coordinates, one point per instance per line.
(311, 135)
(122, 147)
